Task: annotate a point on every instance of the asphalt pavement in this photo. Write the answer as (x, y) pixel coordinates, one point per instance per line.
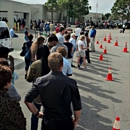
(102, 100)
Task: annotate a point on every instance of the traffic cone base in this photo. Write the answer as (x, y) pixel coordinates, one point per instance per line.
(105, 39)
(108, 41)
(109, 76)
(116, 44)
(101, 57)
(105, 51)
(125, 50)
(101, 46)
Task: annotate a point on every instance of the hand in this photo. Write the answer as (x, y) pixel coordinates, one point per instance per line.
(11, 58)
(75, 122)
(40, 115)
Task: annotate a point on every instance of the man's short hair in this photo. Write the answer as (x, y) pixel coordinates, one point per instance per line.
(52, 38)
(81, 33)
(62, 51)
(61, 29)
(55, 61)
(5, 76)
(67, 37)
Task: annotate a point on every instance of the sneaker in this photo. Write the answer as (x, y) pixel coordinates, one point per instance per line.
(78, 66)
(72, 66)
(85, 68)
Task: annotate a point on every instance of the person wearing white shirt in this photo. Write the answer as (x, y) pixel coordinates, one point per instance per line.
(81, 51)
(60, 35)
(77, 31)
(66, 70)
(73, 42)
(123, 27)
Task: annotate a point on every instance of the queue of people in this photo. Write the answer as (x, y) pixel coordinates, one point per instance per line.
(48, 67)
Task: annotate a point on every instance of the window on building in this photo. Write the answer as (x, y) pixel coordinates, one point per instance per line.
(4, 33)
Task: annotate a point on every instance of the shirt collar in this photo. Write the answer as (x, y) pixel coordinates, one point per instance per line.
(56, 72)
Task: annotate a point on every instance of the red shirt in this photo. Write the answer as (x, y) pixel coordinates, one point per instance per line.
(57, 29)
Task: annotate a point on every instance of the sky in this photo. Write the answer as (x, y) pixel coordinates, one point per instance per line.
(104, 6)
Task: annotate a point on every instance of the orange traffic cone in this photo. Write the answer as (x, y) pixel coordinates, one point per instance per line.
(105, 50)
(109, 40)
(105, 39)
(109, 75)
(101, 57)
(116, 43)
(116, 125)
(100, 46)
(125, 48)
(97, 42)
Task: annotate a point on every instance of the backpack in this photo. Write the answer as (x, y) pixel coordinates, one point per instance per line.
(24, 49)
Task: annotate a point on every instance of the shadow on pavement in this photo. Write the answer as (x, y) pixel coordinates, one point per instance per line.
(90, 110)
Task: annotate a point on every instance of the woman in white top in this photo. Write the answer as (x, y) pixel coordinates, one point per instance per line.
(81, 51)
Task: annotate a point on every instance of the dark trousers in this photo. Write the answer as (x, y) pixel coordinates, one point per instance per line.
(87, 57)
(27, 64)
(34, 119)
(123, 30)
(57, 124)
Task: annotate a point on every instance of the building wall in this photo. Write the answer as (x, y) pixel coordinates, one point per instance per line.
(93, 17)
(37, 12)
(18, 15)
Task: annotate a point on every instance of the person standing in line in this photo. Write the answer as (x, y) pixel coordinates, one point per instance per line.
(92, 37)
(69, 46)
(81, 52)
(87, 41)
(73, 42)
(59, 38)
(67, 70)
(27, 56)
(26, 34)
(38, 43)
(77, 31)
(11, 115)
(37, 69)
(60, 35)
(56, 99)
(12, 89)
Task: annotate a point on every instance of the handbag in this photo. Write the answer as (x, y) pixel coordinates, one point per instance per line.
(24, 49)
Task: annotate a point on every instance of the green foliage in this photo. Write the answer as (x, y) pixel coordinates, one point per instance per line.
(51, 6)
(103, 17)
(74, 8)
(121, 8)
(107, 15)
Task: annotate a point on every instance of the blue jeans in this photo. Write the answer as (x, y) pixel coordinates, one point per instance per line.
(34, 119)
(81, 60)
(26, 39)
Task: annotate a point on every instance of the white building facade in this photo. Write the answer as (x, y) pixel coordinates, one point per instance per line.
(11, 9)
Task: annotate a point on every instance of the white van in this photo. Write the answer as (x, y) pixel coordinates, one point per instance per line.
(5, 39)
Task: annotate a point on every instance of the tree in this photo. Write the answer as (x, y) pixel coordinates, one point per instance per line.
(121, 8)
(74, 8)
(51, 6)
(103, 17)
(107, 15)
